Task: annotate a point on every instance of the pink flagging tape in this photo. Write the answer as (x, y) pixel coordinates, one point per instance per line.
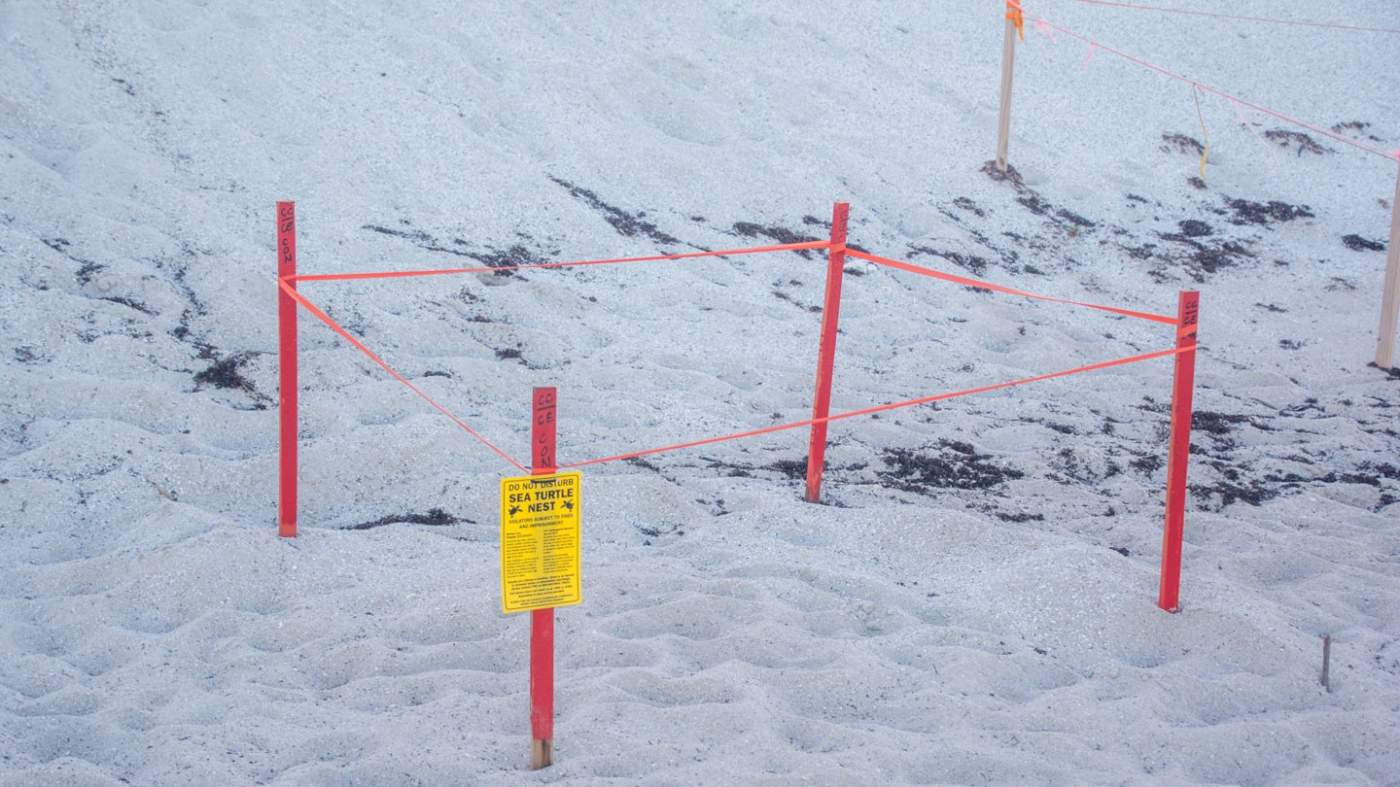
(357, 344)
(981, 389)
(1240, 18)
(815, 244)
(986, 285)
(1217, 91)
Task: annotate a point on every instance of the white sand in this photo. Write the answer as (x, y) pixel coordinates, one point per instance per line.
(990, 622)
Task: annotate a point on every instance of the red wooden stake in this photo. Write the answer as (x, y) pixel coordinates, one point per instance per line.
(1179, 455)
(542, 461)
(826, 358)
(287, 370)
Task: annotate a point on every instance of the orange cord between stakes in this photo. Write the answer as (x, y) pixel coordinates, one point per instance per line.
(357, 344)
(1041, 22)
(986, 285)
(981, 389)
(814, 244)
(286, 285)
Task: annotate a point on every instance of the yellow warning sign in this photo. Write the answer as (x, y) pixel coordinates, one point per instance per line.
(541, 557)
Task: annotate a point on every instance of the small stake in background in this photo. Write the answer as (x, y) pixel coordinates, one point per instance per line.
(1327, 662)
(1390, 291)
(1008, 66)
(1205, 134)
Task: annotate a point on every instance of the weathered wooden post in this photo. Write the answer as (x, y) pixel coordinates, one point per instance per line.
(1390, 292)
(1015, 26)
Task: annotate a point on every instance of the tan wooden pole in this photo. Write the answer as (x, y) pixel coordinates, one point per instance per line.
(1390, 293)
(1008, 64)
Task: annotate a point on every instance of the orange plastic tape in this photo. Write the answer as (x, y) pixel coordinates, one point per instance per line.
(357, 344)
(1093, 367)
(986, 285)
(1017, 17)
(813, 244)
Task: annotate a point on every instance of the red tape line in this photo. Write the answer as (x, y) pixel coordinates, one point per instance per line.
(357, 344)
(986, 285)
(814, 244)
(883, 407)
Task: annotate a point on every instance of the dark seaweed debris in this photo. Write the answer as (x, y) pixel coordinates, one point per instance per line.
(510, 354)
(1180, 143)
(955, 465)
(748, 229)
(1296, 139)
(225, 373)
(1358, 243)
(968, 205)
(131, 304)
(971, 262)
(1265, 213)
(1216, 423)
(1193, 228)
(1032, 201)
(792, 468)
(502, 259)
(419, 238)
(1207, 256)
(1019, 517)
(435, 517)
(506, 260)
(1358, 129)
(86, 268)
(628, 225)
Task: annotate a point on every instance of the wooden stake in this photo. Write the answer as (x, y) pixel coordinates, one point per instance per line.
(542, 461)
(287, 372)
(541, 750)
(1179, 453)
(1327, 662)
(826, 353)
(1390, 292)
(1008, 63)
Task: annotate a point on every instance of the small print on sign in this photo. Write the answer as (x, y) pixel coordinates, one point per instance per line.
(541, 558)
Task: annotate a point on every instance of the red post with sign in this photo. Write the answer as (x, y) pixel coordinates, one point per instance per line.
(287, 370)
(542, 462)
(1179, 455)
(826, 357)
